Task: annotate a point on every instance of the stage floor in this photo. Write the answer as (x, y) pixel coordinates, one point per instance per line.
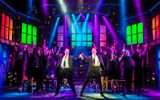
(89, 94)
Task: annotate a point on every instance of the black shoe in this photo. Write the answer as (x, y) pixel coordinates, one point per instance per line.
(81, 94)
(56, 94)
(102, 95)
(75, 95)
(140, 90)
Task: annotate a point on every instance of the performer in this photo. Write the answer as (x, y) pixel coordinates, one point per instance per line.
(95, 66)
(137, 57)
(145, 63)
(39, 64)
(114, 68)
(64, 67)
(29, 71)
(128, 69)
(19, 68)
(105, 73)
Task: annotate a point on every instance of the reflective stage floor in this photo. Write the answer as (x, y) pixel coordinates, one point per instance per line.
(89, 94)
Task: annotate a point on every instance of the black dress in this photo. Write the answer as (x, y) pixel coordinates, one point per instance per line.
(19, 69)
(128, 71)
(138, 70)
(106, 59)
(114, 69)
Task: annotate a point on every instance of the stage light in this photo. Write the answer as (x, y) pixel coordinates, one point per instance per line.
(137, 4)
(63, 6)
(111, 29)
(84, 28)
(75, 23)
(98, 5)
(96, 31)
(53, 33)
(79, 16)
(66, 30)
(30, 7)
(123, 22)
(44, 7)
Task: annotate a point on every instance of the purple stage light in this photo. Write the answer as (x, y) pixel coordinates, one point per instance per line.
(44, 7)
(65, 31)
(96, 31)
(110, 28)
(137, 4)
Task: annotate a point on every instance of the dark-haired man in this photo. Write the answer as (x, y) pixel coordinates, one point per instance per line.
(96, 65)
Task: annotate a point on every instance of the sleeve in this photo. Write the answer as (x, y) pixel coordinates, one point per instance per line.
(56, 57)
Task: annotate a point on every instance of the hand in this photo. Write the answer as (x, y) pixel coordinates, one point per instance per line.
(80, 56)
(145, 45)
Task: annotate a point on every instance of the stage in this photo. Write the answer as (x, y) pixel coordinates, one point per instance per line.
(89, 94)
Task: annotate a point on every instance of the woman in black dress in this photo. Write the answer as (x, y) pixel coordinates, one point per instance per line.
(128, 70)
(114, 69)
(105, 73)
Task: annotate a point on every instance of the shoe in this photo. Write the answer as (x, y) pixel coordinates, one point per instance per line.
(102, 95)
(75, 95)
(81, 94)
(56, 94)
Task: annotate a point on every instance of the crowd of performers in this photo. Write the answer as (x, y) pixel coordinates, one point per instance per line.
(104, 65)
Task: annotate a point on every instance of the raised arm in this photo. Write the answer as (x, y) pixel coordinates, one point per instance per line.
(120, 58)
(58, 50)
(145, 49)
(86, 59)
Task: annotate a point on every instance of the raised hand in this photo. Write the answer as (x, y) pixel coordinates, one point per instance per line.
(80, 56)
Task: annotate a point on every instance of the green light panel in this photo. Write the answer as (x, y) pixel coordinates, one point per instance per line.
(140, 27)
(24, 28)
(89, 44)
(134, 29)
(29, 29)
(73, 43)
(129, 30)
(29, 34)
(129, 41)
(140, 38)
(134, 39)
(35, 40)
(29, 39)
(23, 39)
(34, 31)
(134, 34)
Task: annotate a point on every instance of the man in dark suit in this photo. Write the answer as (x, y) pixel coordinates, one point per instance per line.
(96, 65)
(64, 67)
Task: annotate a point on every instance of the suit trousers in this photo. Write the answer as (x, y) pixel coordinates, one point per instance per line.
(65, 73)
(94, 72)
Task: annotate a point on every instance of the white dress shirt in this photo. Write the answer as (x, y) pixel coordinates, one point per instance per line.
(67, 64)
(97, 62)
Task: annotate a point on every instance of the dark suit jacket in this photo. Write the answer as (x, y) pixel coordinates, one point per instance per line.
(59, 61)
(89, 60)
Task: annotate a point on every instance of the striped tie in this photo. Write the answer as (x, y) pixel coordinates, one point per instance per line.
(64, 64)
(93, 60)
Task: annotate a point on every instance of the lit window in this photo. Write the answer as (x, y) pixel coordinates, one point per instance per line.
(6, 27)
(156, 27)
(29, 34)
(134, 34)
(81, 34)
